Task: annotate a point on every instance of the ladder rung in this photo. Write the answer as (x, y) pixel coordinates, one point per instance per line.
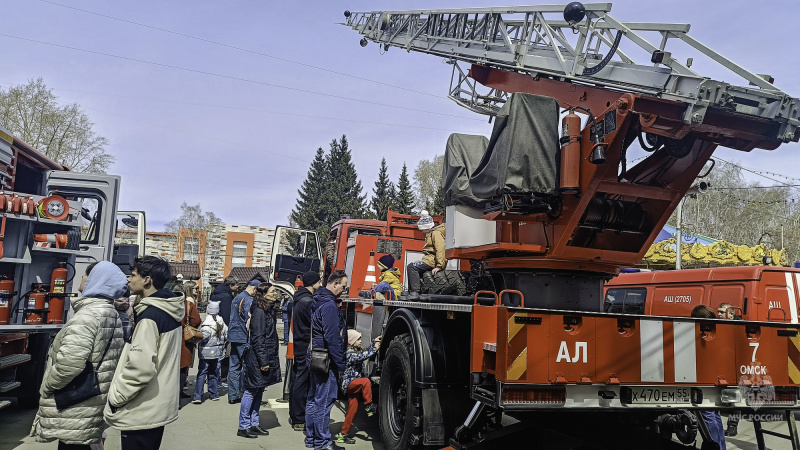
(12, 360)
(6, 386)
(776, 434)
(5, 403)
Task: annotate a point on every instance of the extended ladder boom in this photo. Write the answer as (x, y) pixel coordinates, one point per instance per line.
(531, 40)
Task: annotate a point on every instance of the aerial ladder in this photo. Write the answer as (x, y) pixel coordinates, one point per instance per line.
(547, 253)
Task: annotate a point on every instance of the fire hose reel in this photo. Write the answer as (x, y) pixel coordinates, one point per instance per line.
(53, 207)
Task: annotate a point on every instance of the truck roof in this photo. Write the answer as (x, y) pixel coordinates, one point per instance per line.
(696, 275)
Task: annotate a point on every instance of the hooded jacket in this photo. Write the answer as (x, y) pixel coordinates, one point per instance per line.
(144, 392)
(301, 321)
(392, 276)
(328, 327)
(213, 346)
(224, 295)
(85, 336)
(433, 251)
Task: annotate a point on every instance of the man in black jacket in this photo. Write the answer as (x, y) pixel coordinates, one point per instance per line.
(224, 295)
(301, 333)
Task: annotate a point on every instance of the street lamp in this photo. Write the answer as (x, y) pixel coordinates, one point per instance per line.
(692, 192)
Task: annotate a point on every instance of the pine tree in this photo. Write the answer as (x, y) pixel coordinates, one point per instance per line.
(437, 207)
(307, 211)
(382, 193)
(343, 193)
(404, 200)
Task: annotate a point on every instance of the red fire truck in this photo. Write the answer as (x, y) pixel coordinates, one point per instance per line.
(543, 215)
(53, 224)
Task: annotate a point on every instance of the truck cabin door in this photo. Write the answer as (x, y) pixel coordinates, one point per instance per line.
(130, 237)
(294, 252)
(780, 299)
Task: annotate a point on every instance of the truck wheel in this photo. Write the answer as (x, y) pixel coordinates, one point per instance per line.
(400, 401)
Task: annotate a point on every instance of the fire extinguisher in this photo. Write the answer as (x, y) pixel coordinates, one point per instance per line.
(58, 287)
(6, 293)
(570, 153)
(36, 301)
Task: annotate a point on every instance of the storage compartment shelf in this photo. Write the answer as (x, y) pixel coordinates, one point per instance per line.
(63, 251)
(6, 386)
(59, 222)
(13, 360)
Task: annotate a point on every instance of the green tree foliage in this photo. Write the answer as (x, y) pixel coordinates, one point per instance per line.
(308, 212)
(404, 200)
(64, 133)
(382, 193)
(428, 182)
(436, 207)
(331, 190)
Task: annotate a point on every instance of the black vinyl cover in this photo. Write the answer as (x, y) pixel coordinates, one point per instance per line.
(522, 155)
(463, 154)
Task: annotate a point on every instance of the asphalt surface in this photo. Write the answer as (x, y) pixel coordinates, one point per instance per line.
(213, 425)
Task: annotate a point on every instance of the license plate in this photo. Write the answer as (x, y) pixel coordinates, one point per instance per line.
(659, 395)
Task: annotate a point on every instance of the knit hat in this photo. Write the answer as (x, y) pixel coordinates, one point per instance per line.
(425, 221)
(386, 262)
(353, 336)
(310, 278)
(212, 308)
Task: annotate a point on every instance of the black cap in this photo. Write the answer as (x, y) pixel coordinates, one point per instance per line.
(310, 278)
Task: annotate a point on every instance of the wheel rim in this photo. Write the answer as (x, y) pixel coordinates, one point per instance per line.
(398, 403)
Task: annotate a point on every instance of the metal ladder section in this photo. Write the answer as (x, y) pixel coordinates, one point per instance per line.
(792, 436)
(598, 50)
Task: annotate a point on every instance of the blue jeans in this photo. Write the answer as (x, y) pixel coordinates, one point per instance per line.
(286, 326)
(714, 424)
(318, 409)
(207, 368)
(248, 413)
(236, 372)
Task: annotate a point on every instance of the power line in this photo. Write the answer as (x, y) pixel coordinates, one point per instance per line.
(239, 108)
(221, 44)
(754, 187)
(231, 77)
(761, 174)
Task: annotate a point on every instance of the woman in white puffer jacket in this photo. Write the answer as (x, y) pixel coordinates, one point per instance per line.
(84, 337)
(211, 351)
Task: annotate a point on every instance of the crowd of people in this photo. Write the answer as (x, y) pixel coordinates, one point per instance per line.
(123, 357)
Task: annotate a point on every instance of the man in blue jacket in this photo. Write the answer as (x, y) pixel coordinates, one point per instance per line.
(237, 336)
(224, 295)
(327, 328)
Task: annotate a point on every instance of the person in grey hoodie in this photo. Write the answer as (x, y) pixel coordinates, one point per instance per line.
(144, 393)
(211, 351)
(84, 337)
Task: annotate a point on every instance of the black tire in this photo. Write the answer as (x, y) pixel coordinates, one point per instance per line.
(400, 415)
(446, 282)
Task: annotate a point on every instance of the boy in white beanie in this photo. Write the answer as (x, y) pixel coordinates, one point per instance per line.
(433, 258)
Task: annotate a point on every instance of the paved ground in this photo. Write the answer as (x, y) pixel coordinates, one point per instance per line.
(212, 425)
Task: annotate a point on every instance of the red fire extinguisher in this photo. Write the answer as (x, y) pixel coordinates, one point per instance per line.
(58, 285)
(37, 301)
(6, 293)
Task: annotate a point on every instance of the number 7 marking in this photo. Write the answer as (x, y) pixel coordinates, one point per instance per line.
(755, 349)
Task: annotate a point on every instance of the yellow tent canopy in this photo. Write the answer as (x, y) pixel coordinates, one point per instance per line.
(661, 255)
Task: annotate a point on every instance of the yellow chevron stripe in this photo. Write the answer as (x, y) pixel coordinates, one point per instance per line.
(794, 374)
(513, 327)
(796, 341)
(519, 366)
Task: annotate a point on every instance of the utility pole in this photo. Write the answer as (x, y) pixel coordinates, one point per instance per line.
(692, 192)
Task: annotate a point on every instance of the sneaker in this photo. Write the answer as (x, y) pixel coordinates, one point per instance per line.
(344, 439)
(215, 399)
(732, 430)
(299, 427)
(185, 395)
(197, 401)
(370, 410)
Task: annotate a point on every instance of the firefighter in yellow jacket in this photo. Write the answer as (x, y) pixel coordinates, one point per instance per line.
(433, 258)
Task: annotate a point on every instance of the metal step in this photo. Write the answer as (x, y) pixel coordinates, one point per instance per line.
(6, 386)
(4, 403)
(13, 360)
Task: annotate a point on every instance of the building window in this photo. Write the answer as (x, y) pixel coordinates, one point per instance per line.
(191, 250)
(239, 254)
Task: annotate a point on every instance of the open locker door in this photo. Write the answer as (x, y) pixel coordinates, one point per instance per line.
(294, 252)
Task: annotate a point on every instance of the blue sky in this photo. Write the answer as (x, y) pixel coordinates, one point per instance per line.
(242, 148)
